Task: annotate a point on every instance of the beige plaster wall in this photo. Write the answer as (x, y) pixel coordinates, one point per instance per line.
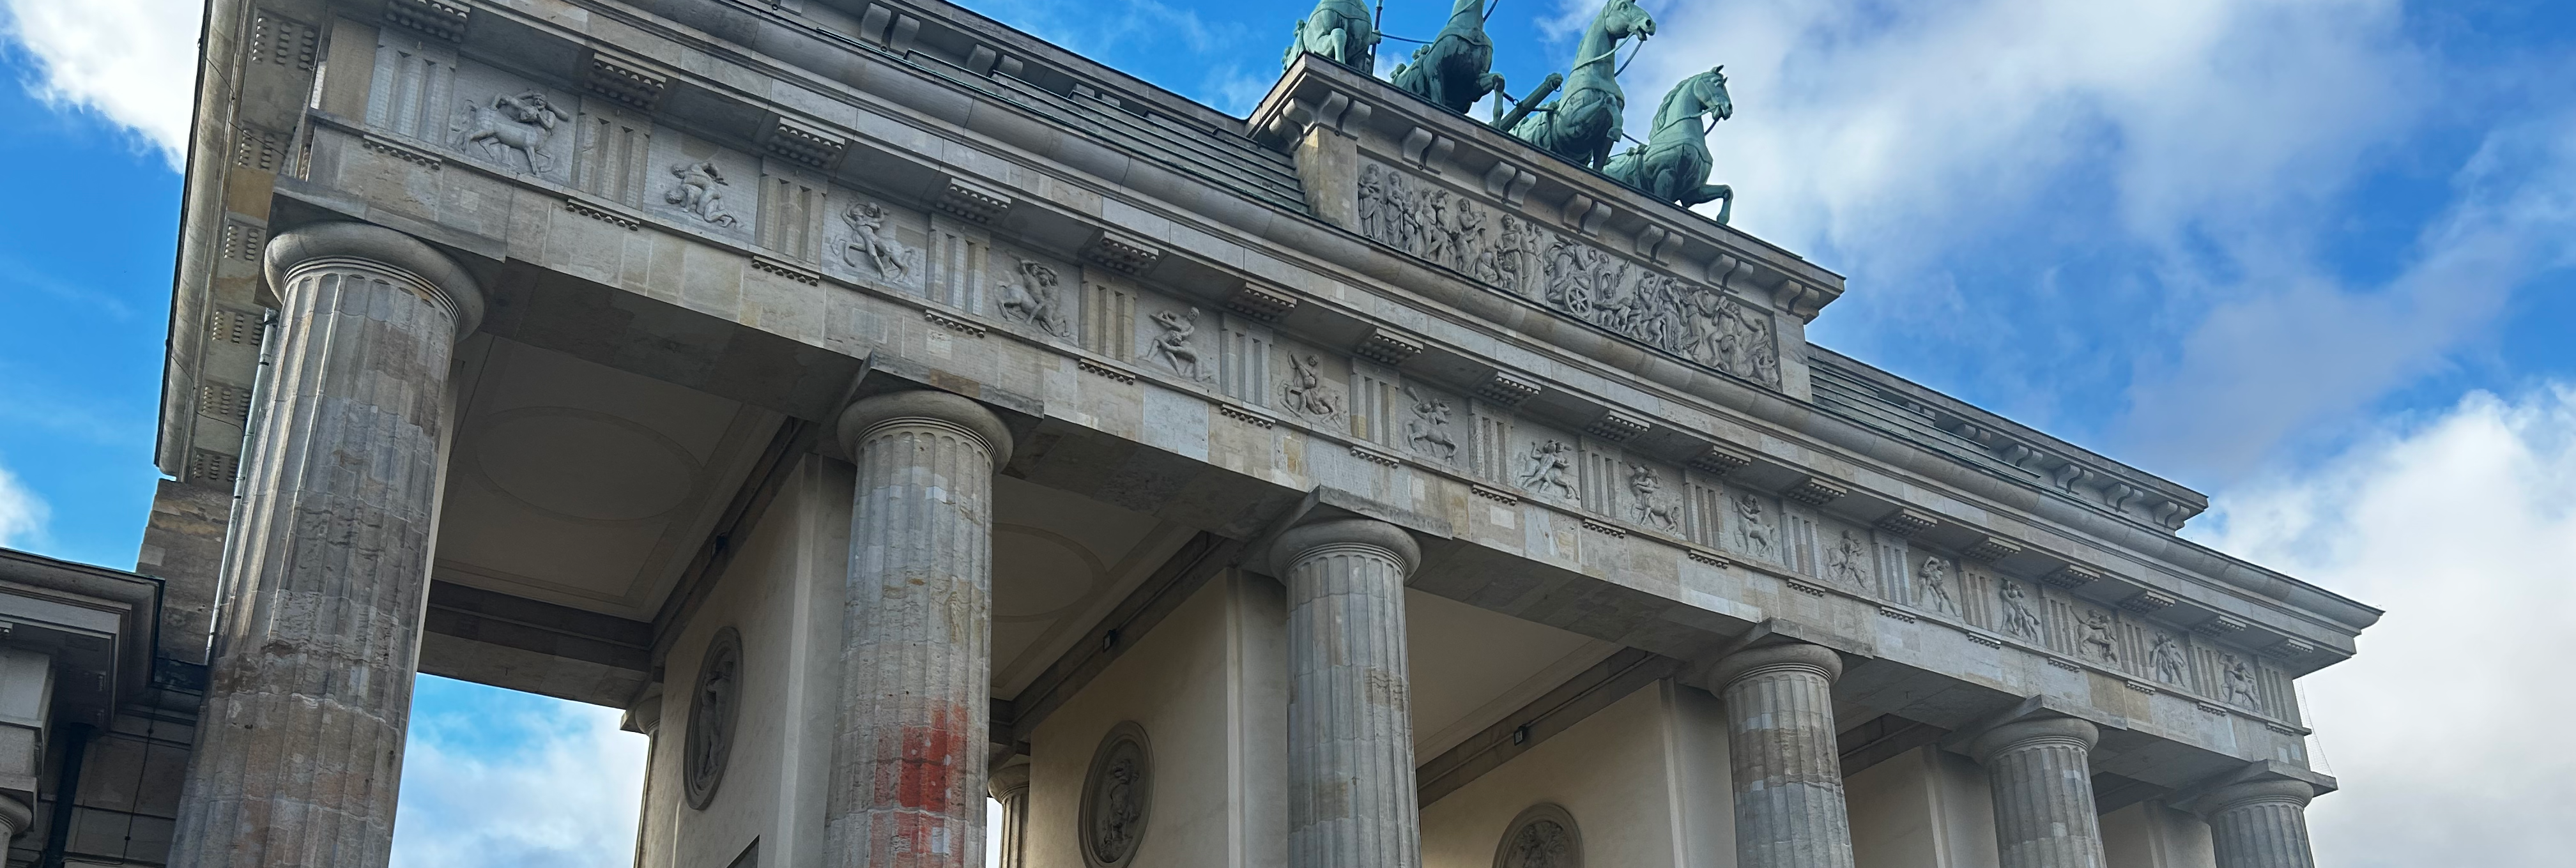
(1209, 686)
(1925, 809)
(783, 591)
(1645, 779)
(2153, 835)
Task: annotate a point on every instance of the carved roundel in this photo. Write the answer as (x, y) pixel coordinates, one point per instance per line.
(713, 707)
(1543, 836)
(1115, 797)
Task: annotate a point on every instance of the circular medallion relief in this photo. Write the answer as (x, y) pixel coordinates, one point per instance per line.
(1543, 836)
(1115, 796)
(712, 709)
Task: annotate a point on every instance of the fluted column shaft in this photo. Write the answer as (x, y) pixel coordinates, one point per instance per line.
(1010, 787)
(327, 563)
(2262, 824)
(1787, 770)
(1351, 800)
(916, 654)
(2041, 775)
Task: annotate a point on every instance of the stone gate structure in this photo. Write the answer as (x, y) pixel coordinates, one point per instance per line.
(887, 409)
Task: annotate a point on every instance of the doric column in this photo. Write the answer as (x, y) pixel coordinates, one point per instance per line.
(1010, 787)
(328, 558)
(916, 653)
(2260, 824)
(1789, 810)
(2041, 774)
(1351, 801)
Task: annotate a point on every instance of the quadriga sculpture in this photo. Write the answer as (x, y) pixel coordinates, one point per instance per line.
(1673, 164)
(1582, 124)
(1456, 68)
(1340, 30)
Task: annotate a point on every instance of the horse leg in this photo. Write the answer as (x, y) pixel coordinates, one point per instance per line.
(1722, 193)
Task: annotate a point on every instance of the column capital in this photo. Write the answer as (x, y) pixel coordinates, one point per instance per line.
(2021, 734)
(1766, 659)
(926, 406)
(1007, 780)
(2274, 791)
(417, 267)
(1304, 540)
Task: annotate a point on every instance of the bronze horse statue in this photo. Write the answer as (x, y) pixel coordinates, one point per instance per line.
(1674, 163)
(1584, 123)
(1456, 68)
(1341, 31)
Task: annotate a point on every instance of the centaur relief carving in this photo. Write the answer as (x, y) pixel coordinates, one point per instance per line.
(1686, 319)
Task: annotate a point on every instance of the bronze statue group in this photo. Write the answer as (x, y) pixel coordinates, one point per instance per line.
(1582, 123)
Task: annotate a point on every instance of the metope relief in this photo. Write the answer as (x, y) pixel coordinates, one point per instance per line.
(1308, 389)
(1546, 469)
(714, 705)
(1033, 295)
(1754, 533)
(1173, 342)
(1684, 318)
(2238, 677)
(1932, 587)
(2017, 618)
(515, 131)
(1647, 503)
(2093, 637)
(700, 188)
(1427, 431)
(2165, 659)
(871, 245)
(1845, 560)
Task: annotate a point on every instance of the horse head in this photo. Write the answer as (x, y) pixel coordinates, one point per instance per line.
(1710, 89)
(1621, 19)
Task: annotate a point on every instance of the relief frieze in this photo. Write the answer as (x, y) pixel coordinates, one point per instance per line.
(1569, 275)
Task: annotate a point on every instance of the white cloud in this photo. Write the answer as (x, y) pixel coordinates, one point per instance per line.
(522, 782)
(22, 512)
(132, 61)
(2124, 202)
(2462, 526)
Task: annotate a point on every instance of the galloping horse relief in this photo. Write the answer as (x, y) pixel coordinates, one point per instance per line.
(1456, 68)
(1582, 124)
(1673, 164)
(1341, 31)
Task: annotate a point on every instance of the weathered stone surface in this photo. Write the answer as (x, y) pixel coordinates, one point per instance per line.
(2261, 824)
(908, 781)
(311, 686)
(2041, 775)
(1789, 810)
(1350, 730)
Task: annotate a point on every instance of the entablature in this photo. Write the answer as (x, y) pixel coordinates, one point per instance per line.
(1381, 335)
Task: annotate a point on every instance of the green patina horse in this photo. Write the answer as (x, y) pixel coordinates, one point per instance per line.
(1673, 164)
(1456, 68)
(1584, 123)
(1339, 30)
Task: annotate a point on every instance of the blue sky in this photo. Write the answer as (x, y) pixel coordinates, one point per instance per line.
(2316, 258)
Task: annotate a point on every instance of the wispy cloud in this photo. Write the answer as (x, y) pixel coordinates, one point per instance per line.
(22, 513)
(2123, 204)
(130, 61)
(2461, 524)
(493, 777)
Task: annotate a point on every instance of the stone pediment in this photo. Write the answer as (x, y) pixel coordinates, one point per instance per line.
(1452, 191)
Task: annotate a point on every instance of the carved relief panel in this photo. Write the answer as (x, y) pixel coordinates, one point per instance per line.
(1035, 294)
(1434, 426)
(1652, 500)
(1116, 796)
(1543, 836)
(1935, 585)
(867, 240)
(1176, 338)
(1545, 464)
(1759, 528)
(505, 122)
(696, 184)
(1313, 386)
(1573, 276)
